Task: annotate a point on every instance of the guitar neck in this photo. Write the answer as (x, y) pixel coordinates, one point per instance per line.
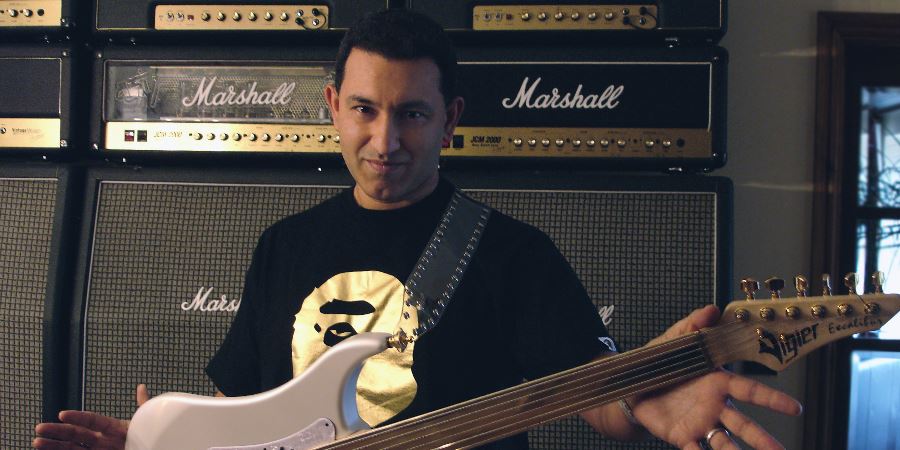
(514, 410)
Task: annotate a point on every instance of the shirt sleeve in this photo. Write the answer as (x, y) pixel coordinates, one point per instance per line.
(557, 326)
(234, 367)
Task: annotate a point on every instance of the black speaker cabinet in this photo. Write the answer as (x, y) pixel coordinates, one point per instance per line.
(34, 204)
(35, 98)
(164, 259)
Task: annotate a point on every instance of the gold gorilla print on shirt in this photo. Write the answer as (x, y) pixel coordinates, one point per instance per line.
(352, 303)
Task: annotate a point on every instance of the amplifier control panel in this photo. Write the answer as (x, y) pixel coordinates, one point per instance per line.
(564, 17)
(241, 17)
(222, 137)
(20, 13)
(30, 133)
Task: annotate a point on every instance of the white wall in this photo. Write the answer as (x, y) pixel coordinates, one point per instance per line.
(771, 113)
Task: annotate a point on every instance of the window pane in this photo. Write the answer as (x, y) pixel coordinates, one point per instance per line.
(874, 395)
(879, 156)
(878, 248)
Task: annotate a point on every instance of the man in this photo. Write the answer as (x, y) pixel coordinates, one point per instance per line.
(336, 270)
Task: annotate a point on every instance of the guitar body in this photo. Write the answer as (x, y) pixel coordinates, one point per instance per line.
(317, 407)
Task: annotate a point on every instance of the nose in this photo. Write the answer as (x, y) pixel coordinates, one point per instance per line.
(385, 135)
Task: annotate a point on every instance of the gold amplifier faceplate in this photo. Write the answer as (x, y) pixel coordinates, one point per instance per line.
(30, 133)
(30, 13)
(241, 17)
(564, 17)
(221, 137)
(581, 143)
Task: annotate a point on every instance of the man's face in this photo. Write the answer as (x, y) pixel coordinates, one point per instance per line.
(393, 121)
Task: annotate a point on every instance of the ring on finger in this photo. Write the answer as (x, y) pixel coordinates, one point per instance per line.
(711, 433)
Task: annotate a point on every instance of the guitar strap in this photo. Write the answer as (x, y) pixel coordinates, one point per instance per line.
(443, 262)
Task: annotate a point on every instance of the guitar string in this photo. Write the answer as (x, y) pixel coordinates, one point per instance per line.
(636, 356)
(501, 396)
(513, 427)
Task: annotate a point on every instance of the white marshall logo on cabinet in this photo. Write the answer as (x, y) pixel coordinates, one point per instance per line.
(202, 302)
(526, 98)
(281, 95)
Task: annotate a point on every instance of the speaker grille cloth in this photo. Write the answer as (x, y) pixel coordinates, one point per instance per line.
(647, 258)
(26, 219)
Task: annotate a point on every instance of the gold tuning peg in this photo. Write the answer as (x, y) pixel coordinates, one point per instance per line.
(878, 282)
(750, 286)
(826, 285)
(801, 285)
(850, 282)
(775, 285)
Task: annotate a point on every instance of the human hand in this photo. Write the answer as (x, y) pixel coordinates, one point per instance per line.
(683, 415)
(78, 430)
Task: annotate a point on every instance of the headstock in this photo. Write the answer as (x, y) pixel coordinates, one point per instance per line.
(777, 331)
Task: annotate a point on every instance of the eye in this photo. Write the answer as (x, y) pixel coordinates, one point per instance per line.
(363, 109)
(414, 115)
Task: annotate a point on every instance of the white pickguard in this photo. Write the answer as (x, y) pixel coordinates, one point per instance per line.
(282, 416)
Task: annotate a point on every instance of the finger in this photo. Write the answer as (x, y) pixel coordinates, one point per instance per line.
(754, 392)
(94, 422)
(692, 446)
(748, 430)
(47, 444)
(722, 441)
(142, 394)
(697, 319)
(64, 433)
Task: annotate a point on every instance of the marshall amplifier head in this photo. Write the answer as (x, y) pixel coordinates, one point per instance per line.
(157, 100)
(35, 84)
(630, 20)
(654, 107)
(192, 16)
(34, 16)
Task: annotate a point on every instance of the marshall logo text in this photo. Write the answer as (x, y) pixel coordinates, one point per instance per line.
(202, 302)
(230, 96)
(570, 100)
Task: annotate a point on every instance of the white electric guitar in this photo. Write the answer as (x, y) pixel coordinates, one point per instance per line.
(318, 408)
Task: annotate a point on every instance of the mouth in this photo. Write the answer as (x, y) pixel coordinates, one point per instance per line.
(384, 167)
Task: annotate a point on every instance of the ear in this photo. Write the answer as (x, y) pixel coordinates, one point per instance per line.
(454, 112)
(332, 99)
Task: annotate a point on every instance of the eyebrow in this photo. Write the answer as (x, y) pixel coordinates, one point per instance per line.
(412, 104)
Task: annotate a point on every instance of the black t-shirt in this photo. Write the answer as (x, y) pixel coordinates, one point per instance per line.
(520, 311)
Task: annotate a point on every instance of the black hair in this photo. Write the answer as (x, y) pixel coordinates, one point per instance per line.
(404, 35)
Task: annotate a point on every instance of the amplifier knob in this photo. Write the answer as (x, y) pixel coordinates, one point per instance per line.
(170, 15)
(251, 16)
(321, 138)
(559, 16)
(592, 16)
(252, 137)
(517, 142)
(205, 16)
(220, 16)
(526, 16)
(279, 137)
(621, 143)
(316, 12)
(542, 16)
(268, 16)
(604, 142)
(545, 142)
(591, 142)
(211, 136)
(532, 142)
(223, 136)
(236, 136)
(236, 16)
(609, 15)
(560, 142)
(27, 13)
(336, 138)
(666, 143)
(13, 13)
(576, 15)
(284, 17)
(198, 136)
(180, 16)
(265, 137)
(649, 143)
(576, 142)
(315, 22)
(295, 138)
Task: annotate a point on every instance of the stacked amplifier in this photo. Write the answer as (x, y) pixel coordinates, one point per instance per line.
(587, 87)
